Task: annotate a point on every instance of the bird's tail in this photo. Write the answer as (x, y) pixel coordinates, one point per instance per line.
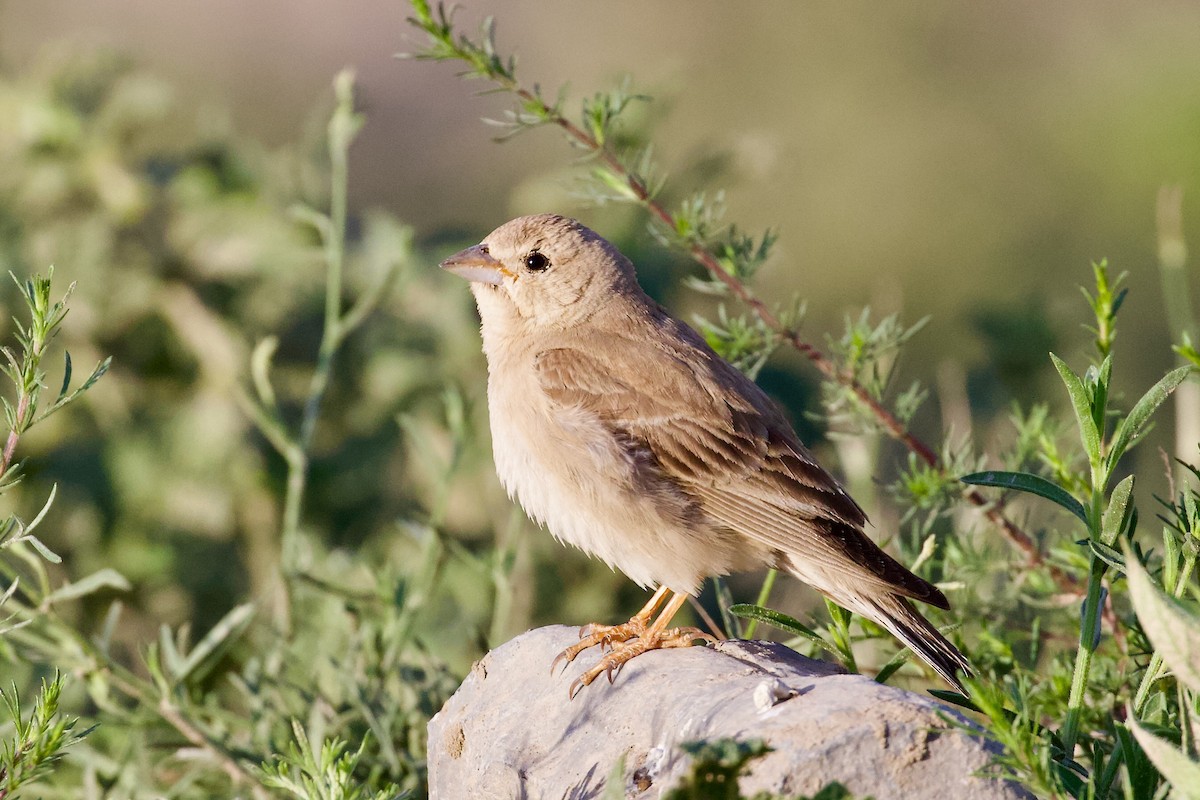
(897, 615)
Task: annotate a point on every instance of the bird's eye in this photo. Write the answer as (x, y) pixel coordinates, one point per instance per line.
(536, 262)
(483, 248)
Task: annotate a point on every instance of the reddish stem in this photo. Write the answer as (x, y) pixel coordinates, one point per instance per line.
(825, 365)
(10, 446)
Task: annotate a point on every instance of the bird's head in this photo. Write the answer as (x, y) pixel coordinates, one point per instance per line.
(546, 269)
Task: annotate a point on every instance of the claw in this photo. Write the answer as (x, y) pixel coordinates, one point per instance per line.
(621, 643)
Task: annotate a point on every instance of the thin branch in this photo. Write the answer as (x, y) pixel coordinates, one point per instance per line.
(711, 623)
(14, 435)
(236, 772)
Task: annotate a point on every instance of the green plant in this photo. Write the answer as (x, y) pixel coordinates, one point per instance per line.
(38, 740)
(340, 656)
(1054, 705)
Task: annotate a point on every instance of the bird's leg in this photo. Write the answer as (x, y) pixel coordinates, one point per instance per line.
(655, 637)
(604, 635)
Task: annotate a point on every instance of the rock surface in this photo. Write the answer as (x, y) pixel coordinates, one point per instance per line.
(510, 731)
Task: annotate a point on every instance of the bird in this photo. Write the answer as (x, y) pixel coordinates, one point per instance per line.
(618, 428)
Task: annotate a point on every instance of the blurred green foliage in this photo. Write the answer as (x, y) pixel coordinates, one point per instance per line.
(191, 247)
(229, 647)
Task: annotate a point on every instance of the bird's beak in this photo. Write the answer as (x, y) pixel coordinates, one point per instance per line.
(477, 266)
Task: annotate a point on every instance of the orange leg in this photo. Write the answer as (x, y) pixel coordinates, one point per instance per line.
(604, 635)
(633, 638)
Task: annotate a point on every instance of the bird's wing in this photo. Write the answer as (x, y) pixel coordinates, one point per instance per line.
(714, 434)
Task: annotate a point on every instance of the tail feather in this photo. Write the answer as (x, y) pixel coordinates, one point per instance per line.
(892, 610)
(906, 623)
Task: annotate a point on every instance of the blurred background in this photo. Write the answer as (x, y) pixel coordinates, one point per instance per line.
(992, 151)
(965, 161)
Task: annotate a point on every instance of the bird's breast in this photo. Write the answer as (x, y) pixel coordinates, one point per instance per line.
(556, 462)
(573, 476)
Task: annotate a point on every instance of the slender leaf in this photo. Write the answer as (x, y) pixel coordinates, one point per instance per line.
(107, 578)
(209, 649)
(168, 652)
(1033, 484)
(41, 515)
(1100, 394)
(956, 698)
(1132, 425)
(783, 622)
(1108, 555)
(37, 544)
(97, 373)
(66, 384)
(10, 591)
(1171, 560)
(893, 665)
(104, 640)
(1143, 777)
(1081, 402)
(1173, 627)
(1182, 771)
(260, 370)
(1116, 516)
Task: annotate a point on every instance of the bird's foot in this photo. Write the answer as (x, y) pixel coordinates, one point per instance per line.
(631, 647)
(603, 635)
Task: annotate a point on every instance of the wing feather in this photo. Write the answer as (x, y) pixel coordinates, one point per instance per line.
(715, 435)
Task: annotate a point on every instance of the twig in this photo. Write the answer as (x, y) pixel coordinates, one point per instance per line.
(14, 435)
(698, 607)
(236, 772)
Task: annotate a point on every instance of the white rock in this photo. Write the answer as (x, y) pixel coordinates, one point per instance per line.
(511, 732)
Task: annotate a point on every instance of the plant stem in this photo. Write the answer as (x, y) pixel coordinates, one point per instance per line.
(14, 436)
(1083, 659)
(334, 237)
(1091, 617)
(293, 500)
(335, 256)
(764, 595)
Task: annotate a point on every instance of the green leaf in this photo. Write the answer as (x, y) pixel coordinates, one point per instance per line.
(1099, 380)
(1173, 628)
(1132, 425)
(168, 652)
(1081, 402)
(783, 622)
(41, 516)
(1143, 777)
(1033, 484)
(209, 649)
(1182, 771)
(894, 663)
(42, 550)
(1116, 516)
(260, 370)
(616, 184)
(1107, 554)
(956, 698)
(66, 384)
(107, 578)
